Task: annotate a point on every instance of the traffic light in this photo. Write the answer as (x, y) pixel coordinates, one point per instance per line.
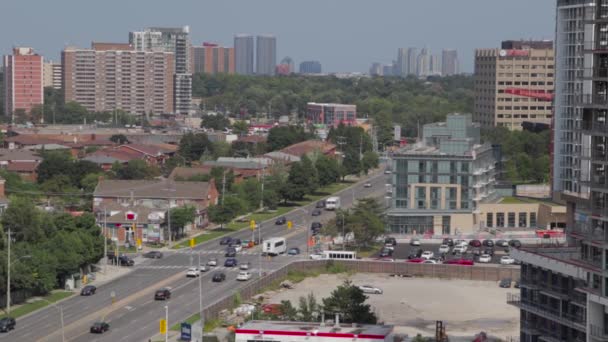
(163, 326)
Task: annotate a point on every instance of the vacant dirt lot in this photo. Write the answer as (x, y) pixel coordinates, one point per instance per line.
(414, 304)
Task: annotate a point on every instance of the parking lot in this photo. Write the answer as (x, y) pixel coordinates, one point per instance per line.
(403, 251)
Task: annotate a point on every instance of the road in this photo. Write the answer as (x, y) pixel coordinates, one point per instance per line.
(134, 315)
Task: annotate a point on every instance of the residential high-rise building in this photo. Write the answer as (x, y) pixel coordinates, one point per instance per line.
(23, 81)
(176, 41)
(514, 84)
(286, 66)
(266, 55)
(331, 114)
(423, 63)
(376, 69)
(439, 183)
(310, 67)
(212, 59)
(52, 75)
(388, 70)
(402, 66)
(449, 62)
(115, 76)
(435, 66)
(243, 54)
(412, 61)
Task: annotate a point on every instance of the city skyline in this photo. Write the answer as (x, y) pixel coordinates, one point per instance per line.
(297, 39)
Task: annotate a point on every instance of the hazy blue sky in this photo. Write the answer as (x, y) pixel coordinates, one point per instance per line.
(345, 35)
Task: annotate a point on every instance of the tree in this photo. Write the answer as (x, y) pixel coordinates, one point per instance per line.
(349, 301)
(180, 217)
(307, 308)
(288, 312)
(221, 149)
(53, 163)
(24, 220)
(352, 163)
(365, 221)
(135, 169)
(311, 172)
(297, 183)
(240, 128)
(283, 136)
(193, 146)
(119, 139)
(369, 161)
(328, 170)
(216, 122)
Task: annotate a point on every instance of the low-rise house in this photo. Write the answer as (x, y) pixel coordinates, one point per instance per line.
(155, 195)
(21, 161)
(152, 154)
(310, 147)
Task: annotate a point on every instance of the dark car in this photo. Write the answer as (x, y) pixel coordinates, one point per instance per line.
(489, 251)
(488, 243)
(501, 243)
(99, 327)
(162, 294)
(218, 277)
(415, 254)
(230, 252)
(153, 255)
(320, 204)
(475, 243)
(293, 251)
(316, 212)
(281, 221)
(124, 260)
(230, 262)
(316, 225)
(386, 252)
(7, 324)
(448, 241)
(235, 242)
(88, 290)
(476, 252)
(505, 283)
(514, 243)
(390, 241)
(226, 240)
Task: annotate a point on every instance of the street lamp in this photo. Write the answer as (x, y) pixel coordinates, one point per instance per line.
(167, 322)
(60, 317)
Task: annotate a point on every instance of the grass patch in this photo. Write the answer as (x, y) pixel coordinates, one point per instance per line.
(26, 308)
(267, 215)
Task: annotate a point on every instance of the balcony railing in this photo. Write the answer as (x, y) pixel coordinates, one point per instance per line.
(595, 126)
(574, 321)
(591, 99)
(597, 72)
(596, 45)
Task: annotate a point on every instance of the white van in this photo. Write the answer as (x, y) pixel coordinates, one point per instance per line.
(332, 203)
(274, 246)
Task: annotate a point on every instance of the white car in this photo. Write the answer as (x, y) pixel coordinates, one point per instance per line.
(427, 255)
(317, 256)
(212, 262)
(244, 266)
(431, 261)
(237, 248)
(387, 172)
(203, 268)
(485, 258)
(444, 249)
(193, 272)
(461, 243)
(369, 289)
(243, 276)
(506, 260)
(415, 242)
(367, 185)
(460, 249)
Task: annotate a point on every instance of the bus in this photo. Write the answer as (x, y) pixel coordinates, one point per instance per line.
(275, 246)
(340, 255)
(332, 203)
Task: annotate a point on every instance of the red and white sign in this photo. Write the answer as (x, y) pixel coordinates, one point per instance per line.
(130, 216)
(514, 53)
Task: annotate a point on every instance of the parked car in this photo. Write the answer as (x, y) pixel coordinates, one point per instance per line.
(162, 294)
(488, 243)
(121, 260)
(193, 272)
(505, 283)
(506, 260)
(485, 258)
(316, 212)
(431, 261)
(99, 327)
(475, 243)
(489, 251)
(316, 225)
(370, 289)
(226, 240)
(293, 251)
(212, 262)
(462, 262)
(443, 249)
(427, 255)
(367, 185)
(317, 256)
(230, 252)
(385, 252)
(460, 243)
(501, 243)
(448, 241)
(218, 277)
(416, 260)
(88, 290)
(390, 242)
(153, 255)
(320, 204)
(387, 172)
(244, 266)
(514, 243)
(461, 249)
(415, 242)
(281, 221)
(243, 276)
(230, 262)
(7, 324)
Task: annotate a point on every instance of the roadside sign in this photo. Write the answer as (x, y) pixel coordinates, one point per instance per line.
(186, 332)
(191, 243)
(138, 243)
(163, 326)
(289, 224)
(252, 224)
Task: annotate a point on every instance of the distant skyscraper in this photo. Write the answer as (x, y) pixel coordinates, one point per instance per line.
(243, 54)
(423, 63)
(52, 75)
(23, 81)
(212, 59)
(376, 69)
(412, 61)
(286, 66)
(310, 67)
(449, 62)
(388, 70)
(401, 66)
(266, 55)
(289, 61)
(176, 41)
(435, 66)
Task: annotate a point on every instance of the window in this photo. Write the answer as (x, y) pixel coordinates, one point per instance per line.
(500, 220)
(533, 220)
(523, 220)
(490, 220)
(511, 220)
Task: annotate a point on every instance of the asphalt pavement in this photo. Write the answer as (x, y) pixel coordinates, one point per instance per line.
(127, 303)
(403, 250)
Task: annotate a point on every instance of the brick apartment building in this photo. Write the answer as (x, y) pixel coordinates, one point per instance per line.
(212, 59)
(23, 81)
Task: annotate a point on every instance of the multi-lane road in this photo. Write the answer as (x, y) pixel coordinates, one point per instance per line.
(128, 304)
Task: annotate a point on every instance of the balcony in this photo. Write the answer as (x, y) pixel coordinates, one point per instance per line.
(591, 100)
(573, 321)
(599, 127)
(598, 332)
(596, 46)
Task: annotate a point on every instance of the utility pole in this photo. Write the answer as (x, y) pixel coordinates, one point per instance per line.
(105, 240)
(200, 298)
(167, 320)
(262, 196)
(169, 219)
(361, 147)
(261, 249)
(8, 275)
(223, 186)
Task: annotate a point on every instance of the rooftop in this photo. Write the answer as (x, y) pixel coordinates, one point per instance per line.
(305, 147)
(152, 189)
(305, 328)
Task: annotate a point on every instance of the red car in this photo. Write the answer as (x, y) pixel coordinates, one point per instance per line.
(475, 243)
(462, 262)
(416, 260)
